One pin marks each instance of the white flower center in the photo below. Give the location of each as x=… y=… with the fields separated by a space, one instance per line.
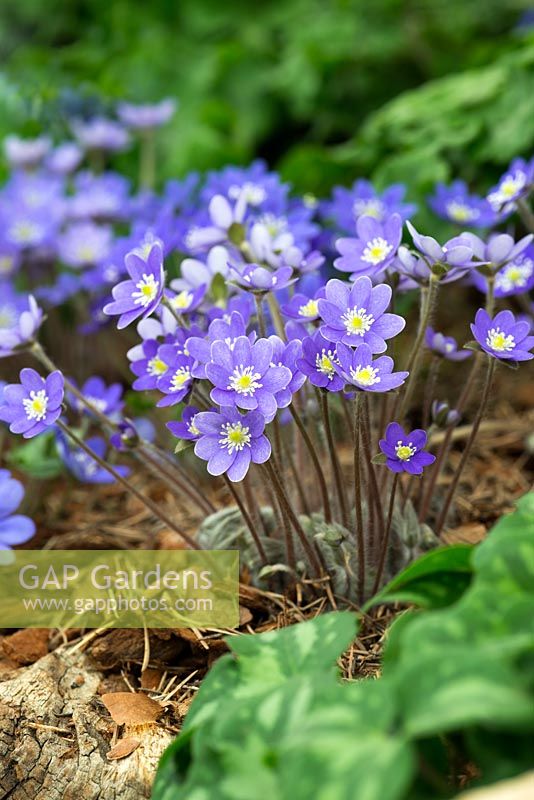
x=514 y=276
x=182 y=301
x=23 y=232
x=253 y=194
x=499 y=341
x=309 y=309
x=274 y=225
x=97 y=402
x=368 y=208
x=376 y=250
x=234 y=436
x=180 y=378
x=8 y=316
x=36 y=404
x=147 y=290
x=244 y=380
x=156 y=367
x=365 y=376
x=508 y=189
x=6 y=262
x=405 y=451
x=192 y=428
x=324 y=362
x=357 y=321
x=460 y=212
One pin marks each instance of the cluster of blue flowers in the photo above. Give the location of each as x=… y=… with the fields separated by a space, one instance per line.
x=249 y=302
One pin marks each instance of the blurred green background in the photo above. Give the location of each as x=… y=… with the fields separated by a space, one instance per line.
x=325 y=90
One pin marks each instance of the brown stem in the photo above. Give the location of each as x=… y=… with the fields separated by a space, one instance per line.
x=315 y=461
x=246 y=516
x=336 y=468
x=465 y=455
x=150 y=504
x=358 y=496
x=385 y=542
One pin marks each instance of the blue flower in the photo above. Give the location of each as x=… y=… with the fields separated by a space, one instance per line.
x=14 y=528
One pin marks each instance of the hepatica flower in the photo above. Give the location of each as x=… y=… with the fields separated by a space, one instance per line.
x=259 y=279
x=26 y=153
x=106 y=399
x=513 y=185
x=303 y=308
x=82 y=465
x=146 y=117
x=358 y=368
x=101 y=134
x=14 y=528
x=503 y=336
x=21 y=327
x=244 y=376
x=186 y=428
x=356 y=315
x=362 y=200
x=84 y=244
x=177 y=381
x=141 y=295
x=444 y=346
x=195 y=273
x=404 y=452
x=230 y=441
x=373 y=250
x=286 y=355
x=34 y=404
x=455 y=204
x=318 y=363
x=226 y=330
x=457 y=253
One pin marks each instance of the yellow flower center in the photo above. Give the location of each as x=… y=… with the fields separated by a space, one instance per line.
x=309 y=309
x=234 y=436
x=405 y=451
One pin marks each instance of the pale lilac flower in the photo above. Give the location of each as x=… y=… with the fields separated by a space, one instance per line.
x=146 y=117
x=503 y=337
x=34 y=404
x=358 y=368
x=230 y=441
x=404 y=452
x=141 y=295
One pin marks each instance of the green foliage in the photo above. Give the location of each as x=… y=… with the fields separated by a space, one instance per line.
x=289 y=81
x=274 y=720
x=37 y=457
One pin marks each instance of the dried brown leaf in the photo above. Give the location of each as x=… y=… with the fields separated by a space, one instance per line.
x=129 y=708
x=123 y=748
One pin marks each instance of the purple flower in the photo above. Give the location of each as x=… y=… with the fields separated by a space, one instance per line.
x=106 y=399
x=186 y=428
x=354 y=315
x=513 y=185
x=26 y=153
x=455 y=204
x=259 y=279
x=83 y=244
x=348 y=205
x=444 y=346
x=358 y=368
x=146 y=117
x=373 y=250
x=65 y=158
x=130 y=433
x=177 y=381
x=185 y=301
x=229 y=441
x=414 y=270
x=82 y=465
x=21 y=328
x=224 y=217
x=225 y=330
x=140 y=296
x=404 y=452
x=303 y=308
x=318 y=363
x=195 y=273
x=443 y=416
x=499 y=250
x=513 y=278
x=34 y=404
x=457 y=252
x=14 y=528
x=286 y=355
x=101 y=134
x=503 y=337
x=243 y=375
x=261 y=189
x=100 y=197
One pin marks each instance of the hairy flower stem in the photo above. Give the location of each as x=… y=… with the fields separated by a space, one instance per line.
x=416 y=354
x=150 y=504
x=336 y=468
x=358 y=513
x=276 y=316
x=430 y=388
x=184 y=485
x=525 y=212
x=443 y=452
x=387 y=536
x=315 y=461
x=374 y=489
x=288 y=510
x=247 y=518
x=262 y=327
x=296 y=478
x=490 y=295
x=172 y=481
x=465 y=455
